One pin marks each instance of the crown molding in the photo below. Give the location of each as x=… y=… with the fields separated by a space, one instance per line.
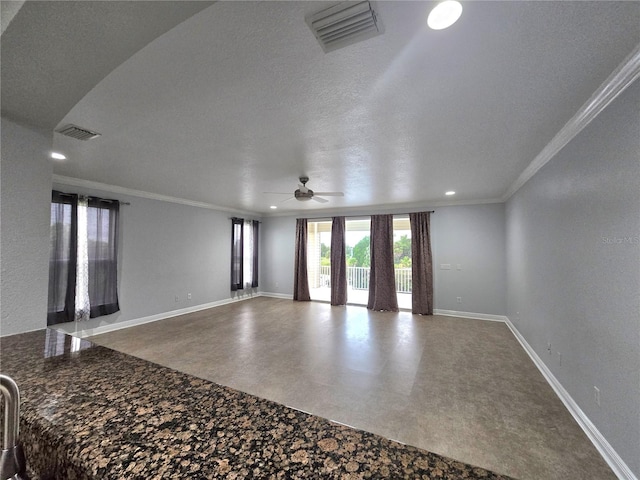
x=380 y=209
x=623 y=76
x=105 y=187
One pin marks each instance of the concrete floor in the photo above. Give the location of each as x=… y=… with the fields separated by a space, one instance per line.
x=461 y=388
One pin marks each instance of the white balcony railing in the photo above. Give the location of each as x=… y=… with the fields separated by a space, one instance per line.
x=358 y=278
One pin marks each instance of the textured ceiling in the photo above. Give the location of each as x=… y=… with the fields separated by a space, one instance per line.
x=54 y=52
x=240 y=99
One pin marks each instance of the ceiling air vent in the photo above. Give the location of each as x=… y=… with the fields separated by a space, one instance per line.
x=344 y=24
x=74 y=131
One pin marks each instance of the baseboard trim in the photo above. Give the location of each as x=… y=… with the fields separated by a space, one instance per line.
x=472 y=315
x=612 y=458
x=88 y=332
x=285 y=296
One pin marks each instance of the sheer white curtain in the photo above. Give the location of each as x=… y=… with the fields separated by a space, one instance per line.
x=247 y=254
x=83 y=307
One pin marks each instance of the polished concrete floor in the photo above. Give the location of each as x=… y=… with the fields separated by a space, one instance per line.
x=462 y=388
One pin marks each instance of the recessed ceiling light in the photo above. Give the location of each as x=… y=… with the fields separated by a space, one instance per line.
x=58 y=156
x=450 y=192
x=444 y=14
x=273 y=207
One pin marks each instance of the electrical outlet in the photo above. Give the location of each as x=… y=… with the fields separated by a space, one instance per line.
x=596 y=395
x=458 y=299
x=549 y=347
x=189 y=296
x=177 y=298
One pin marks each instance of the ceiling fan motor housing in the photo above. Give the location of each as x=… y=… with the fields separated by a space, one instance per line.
x=303 y=196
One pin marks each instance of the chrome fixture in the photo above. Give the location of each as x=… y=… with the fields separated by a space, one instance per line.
x=13 y=464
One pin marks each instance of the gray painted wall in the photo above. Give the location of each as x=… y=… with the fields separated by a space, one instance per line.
x=277 y=254
x=573 y=249
x=470 y=235
x=26 y=212
x=167 y=250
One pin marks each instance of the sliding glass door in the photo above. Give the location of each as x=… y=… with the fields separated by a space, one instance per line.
x=358 y=255
x=402 y=260
x=319 y=259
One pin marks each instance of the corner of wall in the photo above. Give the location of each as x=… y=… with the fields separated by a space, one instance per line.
x=25 y=199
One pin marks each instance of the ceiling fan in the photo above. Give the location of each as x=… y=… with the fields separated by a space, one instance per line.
x=303 y=193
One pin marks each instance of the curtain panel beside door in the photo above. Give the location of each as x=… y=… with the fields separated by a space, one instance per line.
x=338 y=262
x=421 y=264
x=382 y=280
x=300 y=277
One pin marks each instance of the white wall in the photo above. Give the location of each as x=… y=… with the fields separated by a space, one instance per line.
x=469 y=235
x=25 y=216
x=573 y=249
x=166 y=250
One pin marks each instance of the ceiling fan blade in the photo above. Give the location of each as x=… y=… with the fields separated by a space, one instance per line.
x=278 y=193
x=318 y=199
x=330 y=194
x=287 y=199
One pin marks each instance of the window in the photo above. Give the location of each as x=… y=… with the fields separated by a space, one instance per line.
x=244 y=253
x=83 y=258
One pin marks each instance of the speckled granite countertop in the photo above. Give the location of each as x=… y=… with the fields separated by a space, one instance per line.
x=89 y=412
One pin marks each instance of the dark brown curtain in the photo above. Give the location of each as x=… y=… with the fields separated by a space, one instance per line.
x=421 y=265
x=102 y=228
x=62 y=258
x=300 y=279
x=382 y=281
x=338 y=262
x=236 y=253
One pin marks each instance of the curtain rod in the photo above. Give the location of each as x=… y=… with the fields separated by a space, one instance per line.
x=95 y=198
x=240 y=218
x=364 y=215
